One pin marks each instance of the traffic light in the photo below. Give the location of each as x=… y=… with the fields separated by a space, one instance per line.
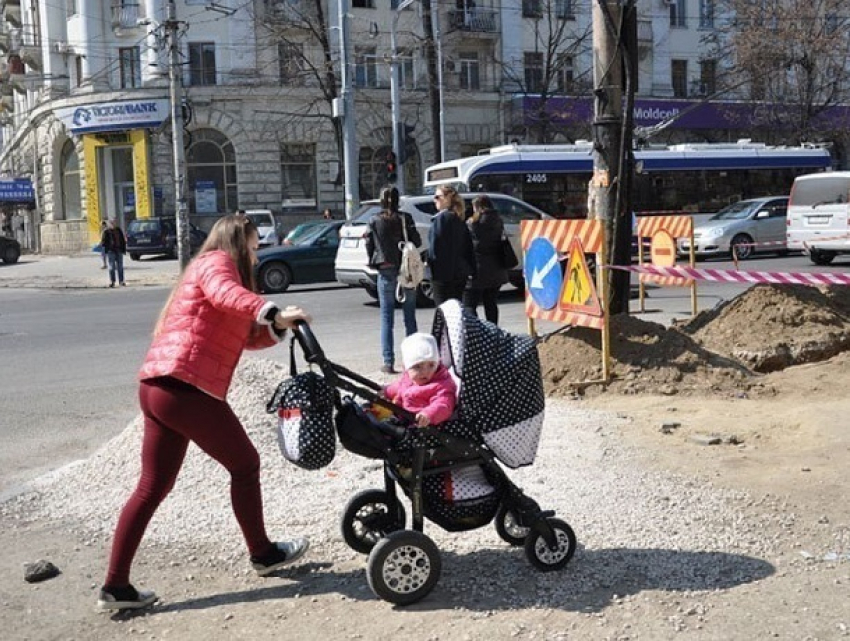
x=392 y=168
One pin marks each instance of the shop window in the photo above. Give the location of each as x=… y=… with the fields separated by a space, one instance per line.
x=211 y=172
x=72 y=205
x=298 y=174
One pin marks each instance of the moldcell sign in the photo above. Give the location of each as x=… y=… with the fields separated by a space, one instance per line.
x=115 y=116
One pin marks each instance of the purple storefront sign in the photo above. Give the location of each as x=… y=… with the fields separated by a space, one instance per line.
x=687 y=114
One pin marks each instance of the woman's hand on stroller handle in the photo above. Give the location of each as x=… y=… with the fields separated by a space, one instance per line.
x=288 y=317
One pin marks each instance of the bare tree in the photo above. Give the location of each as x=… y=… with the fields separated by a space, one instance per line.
x=551 y=68
x=793 y=60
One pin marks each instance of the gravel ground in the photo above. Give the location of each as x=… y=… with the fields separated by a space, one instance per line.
x=659 y=554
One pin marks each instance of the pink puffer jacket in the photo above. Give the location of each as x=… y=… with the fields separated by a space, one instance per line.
x=436 y=399
x=211 y=320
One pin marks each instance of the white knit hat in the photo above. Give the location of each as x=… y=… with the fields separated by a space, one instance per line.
x=418 y=348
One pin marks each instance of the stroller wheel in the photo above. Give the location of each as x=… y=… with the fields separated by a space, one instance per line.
x=404 y=567
x=544 y=558
x=508 y=527
x=369 y=517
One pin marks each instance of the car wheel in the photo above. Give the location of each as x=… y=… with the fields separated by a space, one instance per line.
x=275 y=278
x=821 y=257
x=135 y=256
x=11 y=254
x=741 y=246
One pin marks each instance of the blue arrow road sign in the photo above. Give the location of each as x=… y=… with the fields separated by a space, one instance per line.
x=543 y=273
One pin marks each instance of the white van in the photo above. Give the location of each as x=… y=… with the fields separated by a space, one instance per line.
x=818 y=220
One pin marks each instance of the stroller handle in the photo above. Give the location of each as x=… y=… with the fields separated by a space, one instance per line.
x=309 y=345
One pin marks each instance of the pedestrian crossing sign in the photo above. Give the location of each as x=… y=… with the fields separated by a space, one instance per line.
x=578 y=293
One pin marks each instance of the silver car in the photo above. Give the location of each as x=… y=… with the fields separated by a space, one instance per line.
x=748 y=226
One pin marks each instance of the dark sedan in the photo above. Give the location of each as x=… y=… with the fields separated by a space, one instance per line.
x=309 y=260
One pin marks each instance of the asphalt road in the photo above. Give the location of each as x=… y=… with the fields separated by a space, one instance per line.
x=69 y=358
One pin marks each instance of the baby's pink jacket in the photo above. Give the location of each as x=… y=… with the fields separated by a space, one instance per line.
x=436 y=399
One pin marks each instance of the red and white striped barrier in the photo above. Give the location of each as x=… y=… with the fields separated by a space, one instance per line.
x=734 y=276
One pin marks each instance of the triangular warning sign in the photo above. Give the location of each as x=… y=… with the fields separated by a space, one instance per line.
x=578 y=293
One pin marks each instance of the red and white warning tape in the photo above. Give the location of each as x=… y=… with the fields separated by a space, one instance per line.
x=734 y=276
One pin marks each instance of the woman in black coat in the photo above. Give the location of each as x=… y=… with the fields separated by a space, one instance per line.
x=450 y=254
x=487 y=230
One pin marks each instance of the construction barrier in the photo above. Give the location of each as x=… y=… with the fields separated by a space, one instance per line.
x=663 y=232
x=736 y=276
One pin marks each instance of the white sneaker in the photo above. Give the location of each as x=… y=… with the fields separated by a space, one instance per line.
x=282 y=555
x=128 y=598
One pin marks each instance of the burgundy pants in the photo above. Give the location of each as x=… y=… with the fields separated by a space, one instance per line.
x=176 y=413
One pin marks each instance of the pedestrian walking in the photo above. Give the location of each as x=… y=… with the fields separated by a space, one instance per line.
x=450 y=253
x=487 y=230
x=114 y=246
x=382 y=246
x=212 y=315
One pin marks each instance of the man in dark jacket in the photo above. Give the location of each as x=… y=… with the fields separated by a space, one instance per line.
x=114 y=246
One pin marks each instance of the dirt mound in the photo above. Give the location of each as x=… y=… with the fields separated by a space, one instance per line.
x=771 y=327
x=721 y=351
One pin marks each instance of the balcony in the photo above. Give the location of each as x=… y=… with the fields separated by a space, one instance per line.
x=125 y=15
x=12 y=12
x=473 y=20
x=284 y=12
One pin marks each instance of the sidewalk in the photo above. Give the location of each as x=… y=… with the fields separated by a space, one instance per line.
x=83 y=271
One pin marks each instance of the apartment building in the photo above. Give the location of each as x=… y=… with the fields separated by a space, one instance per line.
x=85 y=100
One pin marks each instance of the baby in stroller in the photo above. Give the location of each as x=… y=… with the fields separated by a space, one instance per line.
x=451 y=472
x=426 y=388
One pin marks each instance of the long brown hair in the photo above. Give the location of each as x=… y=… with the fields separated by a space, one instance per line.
x=230 y=234
x=455 y=201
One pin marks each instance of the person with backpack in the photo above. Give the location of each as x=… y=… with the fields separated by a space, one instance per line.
x=387 y=231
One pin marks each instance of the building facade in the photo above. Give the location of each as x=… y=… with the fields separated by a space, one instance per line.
x=85 y=100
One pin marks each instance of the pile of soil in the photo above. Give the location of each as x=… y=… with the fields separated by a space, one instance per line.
x=722 y=351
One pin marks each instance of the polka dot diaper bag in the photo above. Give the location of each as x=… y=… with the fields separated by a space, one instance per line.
x=304 y=405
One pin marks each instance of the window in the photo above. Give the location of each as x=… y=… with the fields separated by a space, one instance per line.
x=130 y=62
x=533 y=65
x=72 y=205
x=363 y=4
x=565 y=74
x=298 y=174
x=706 y=14
x=70 y=8
x=291 y=58
x=365 y=67
x=531 y=9
x=564 y=9
x=470 y=78
x=202 y=63
x=406 y=70
x=78 y=70
x=708 y=77
x=211 y=162
x=677 y=14
x=679 y=78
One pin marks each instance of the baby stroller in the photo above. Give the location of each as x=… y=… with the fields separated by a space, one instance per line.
x=450 y=473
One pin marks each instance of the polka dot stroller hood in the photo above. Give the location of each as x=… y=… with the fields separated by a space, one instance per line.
x=501 y=399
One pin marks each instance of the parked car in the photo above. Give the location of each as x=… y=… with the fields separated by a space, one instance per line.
x=299 y=231
x=352 y=262
x=157 y=236
x=738 y=226
x=10 y=250
x=819 y=216
x=309 y=260
x=266 y=226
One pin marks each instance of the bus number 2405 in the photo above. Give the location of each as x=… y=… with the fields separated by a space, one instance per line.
x=536 y=179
